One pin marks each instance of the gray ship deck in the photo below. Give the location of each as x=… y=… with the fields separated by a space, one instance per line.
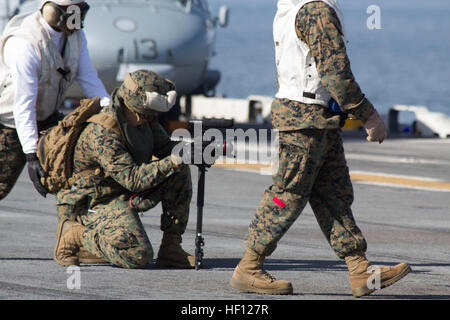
x=403 y=220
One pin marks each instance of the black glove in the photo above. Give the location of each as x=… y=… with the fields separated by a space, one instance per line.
x=35 y=172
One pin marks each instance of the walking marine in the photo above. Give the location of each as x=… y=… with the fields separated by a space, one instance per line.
x=313 y=70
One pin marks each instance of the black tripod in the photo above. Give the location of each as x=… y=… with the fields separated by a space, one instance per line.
x=205 y=124
x=199 y=240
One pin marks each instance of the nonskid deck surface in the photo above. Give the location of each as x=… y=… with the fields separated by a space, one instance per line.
x=402 y=201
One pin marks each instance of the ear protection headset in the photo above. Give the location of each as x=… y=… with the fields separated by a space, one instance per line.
x=152 y=100
x=55 y=15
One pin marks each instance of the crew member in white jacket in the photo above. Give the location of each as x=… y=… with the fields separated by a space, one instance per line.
x=42 y=54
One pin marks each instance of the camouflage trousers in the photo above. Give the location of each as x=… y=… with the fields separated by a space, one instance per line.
x=12 y=160
x=312 y=167
x=114 y=229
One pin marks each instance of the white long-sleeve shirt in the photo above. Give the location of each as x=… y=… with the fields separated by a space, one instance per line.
x=23 y=62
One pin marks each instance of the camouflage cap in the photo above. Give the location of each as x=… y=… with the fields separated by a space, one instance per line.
x=145 y=92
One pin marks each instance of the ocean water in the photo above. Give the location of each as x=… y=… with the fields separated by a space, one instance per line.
x=407 y=61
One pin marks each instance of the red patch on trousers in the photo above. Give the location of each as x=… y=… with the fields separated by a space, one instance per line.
x=278 y=202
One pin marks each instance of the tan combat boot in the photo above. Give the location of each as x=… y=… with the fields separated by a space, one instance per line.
x=365 y=279
x=85 y=256
x=68 y=242
x=250 y=276
x=171 y=254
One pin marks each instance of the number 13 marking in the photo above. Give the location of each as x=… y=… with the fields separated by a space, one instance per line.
x=148 y=47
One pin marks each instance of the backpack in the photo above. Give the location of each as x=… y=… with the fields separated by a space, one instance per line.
x=56 y=146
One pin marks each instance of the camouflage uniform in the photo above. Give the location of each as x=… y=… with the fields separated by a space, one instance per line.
x=12 y=158
x=312 y=163
x=119 y=173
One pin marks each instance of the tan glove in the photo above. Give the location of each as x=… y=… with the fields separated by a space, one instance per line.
x=375 y=128
x=176 y=160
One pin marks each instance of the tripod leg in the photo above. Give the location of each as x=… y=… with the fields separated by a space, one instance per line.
x=199 y=240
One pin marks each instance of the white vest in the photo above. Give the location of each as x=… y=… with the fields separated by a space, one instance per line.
x=52 y=86
x=297 y=74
